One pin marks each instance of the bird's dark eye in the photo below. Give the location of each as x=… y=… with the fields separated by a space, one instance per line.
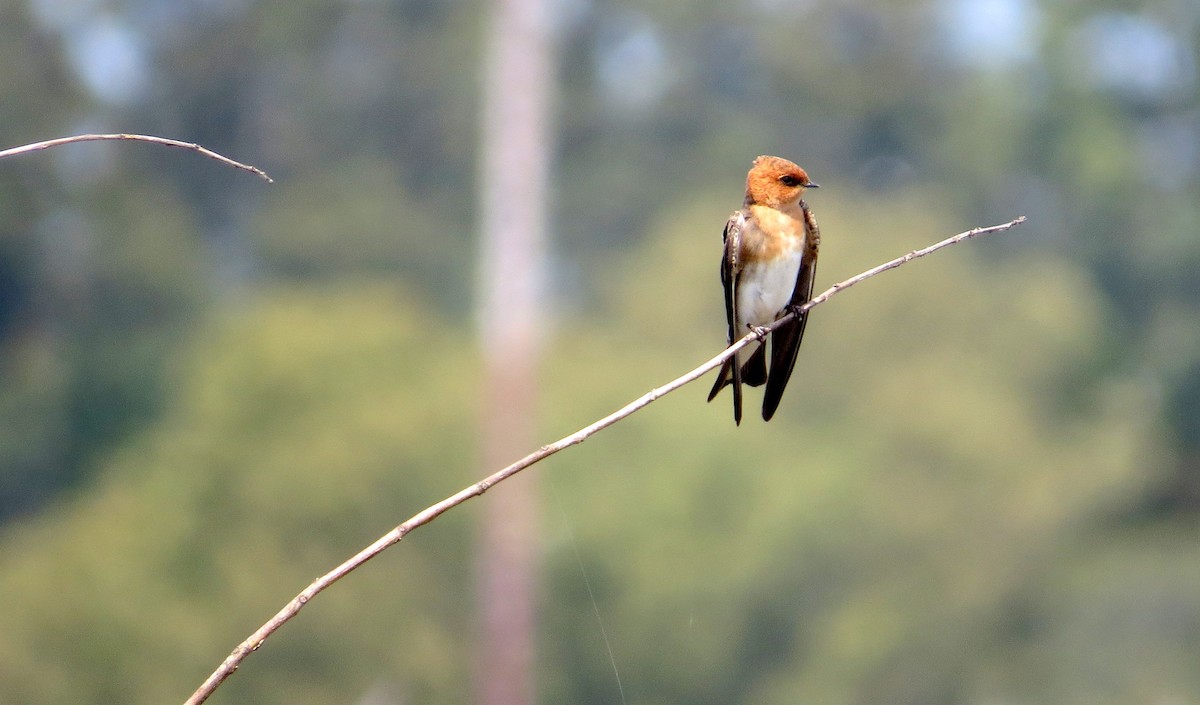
x=789 y=180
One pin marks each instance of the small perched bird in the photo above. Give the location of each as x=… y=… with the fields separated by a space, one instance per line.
x=767 y=269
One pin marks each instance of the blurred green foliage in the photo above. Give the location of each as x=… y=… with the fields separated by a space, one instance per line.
x=981 y=486
x=295 y=432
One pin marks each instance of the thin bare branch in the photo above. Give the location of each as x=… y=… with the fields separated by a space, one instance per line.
x=37 y=146
x=290 y=610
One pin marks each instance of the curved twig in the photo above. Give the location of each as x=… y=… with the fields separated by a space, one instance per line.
x=432 y=512
x=37 y=146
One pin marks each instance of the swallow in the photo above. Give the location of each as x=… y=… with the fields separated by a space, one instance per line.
x=767 y=270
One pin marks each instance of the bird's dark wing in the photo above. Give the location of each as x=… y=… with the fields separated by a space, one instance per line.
x=785 y=340
x=731 y=270
x=754 y=370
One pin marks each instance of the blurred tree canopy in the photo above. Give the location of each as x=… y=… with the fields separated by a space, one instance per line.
x=983 y=482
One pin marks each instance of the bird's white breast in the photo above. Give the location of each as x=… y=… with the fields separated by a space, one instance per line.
x=766 y=287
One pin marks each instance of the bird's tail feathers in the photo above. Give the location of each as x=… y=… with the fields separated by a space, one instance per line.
x=724 y=378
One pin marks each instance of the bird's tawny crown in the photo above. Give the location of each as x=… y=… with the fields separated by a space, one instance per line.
x=776 y=182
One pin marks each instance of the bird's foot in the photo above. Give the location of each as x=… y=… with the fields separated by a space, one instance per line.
x=759 y=332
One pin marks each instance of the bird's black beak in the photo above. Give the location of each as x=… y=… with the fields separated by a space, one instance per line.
x=812 y=184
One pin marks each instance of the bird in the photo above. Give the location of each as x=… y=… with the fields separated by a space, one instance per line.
x=767 y=269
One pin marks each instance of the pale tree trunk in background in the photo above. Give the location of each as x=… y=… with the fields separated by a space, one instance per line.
x=516 y=144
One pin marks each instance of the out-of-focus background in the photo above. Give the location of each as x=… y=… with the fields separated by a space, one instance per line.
x=983 y=485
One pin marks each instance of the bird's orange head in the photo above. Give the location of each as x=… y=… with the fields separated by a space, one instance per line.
x=776 y=182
